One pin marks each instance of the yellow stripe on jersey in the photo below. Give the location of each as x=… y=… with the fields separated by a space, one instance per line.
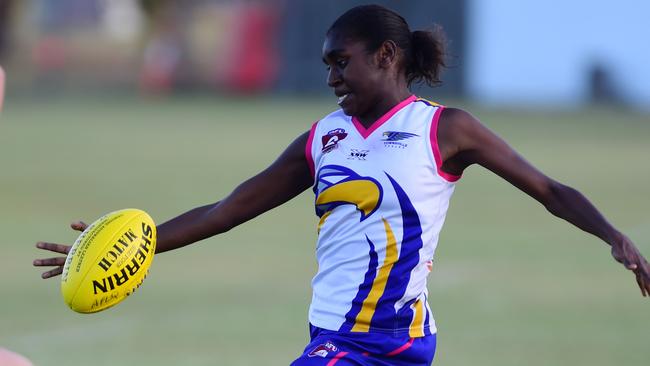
x=363 y=193
x=432 y=103
x=322 y=221
x=417 y=327
x=362 y=322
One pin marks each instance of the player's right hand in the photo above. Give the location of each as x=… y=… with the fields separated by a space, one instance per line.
x=626 y=253
x=58 y=262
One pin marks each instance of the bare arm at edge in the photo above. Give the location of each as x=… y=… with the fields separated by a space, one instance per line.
x=283 y=180
x=464 y=141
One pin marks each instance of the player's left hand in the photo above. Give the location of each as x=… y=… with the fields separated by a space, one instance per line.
x=626 y=253
x=56 y=262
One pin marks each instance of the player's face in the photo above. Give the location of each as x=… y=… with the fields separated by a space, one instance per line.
x=353 y=74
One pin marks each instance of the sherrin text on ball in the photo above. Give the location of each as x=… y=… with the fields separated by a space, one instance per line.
x=108 y=261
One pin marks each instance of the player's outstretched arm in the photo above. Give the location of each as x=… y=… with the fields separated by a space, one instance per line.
x=287 y=177
x=465 y=141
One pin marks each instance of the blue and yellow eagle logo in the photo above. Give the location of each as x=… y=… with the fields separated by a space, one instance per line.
x=337 y=185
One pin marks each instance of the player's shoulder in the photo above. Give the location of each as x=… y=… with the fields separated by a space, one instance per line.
x=423 y=106
x=457 y=118
x=459 y=127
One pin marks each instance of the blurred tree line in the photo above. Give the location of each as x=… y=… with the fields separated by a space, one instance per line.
x=164 y=46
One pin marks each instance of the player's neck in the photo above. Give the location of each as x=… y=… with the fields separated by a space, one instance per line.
x=382 y=106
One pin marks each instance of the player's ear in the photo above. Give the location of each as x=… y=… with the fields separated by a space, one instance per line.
x=387 y=54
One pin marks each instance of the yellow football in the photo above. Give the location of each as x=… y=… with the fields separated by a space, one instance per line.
x=108 y=261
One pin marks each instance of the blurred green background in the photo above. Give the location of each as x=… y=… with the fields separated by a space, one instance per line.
x=165 y=105
x=511 y=284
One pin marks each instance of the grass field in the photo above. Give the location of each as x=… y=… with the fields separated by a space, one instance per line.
x=511 y=285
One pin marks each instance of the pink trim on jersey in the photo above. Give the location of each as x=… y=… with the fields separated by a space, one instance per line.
x=436 y=149
x=336 y=358
x=403 y=348
x=308 y=156
x=375 y=125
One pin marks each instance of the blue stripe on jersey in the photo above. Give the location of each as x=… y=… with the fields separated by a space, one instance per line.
x=405 y=315
x=364 y=290
x=401 y=273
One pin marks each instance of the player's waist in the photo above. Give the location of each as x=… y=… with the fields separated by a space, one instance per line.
x=363 y=316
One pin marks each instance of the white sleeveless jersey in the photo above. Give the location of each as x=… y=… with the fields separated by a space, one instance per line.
x=382 y=199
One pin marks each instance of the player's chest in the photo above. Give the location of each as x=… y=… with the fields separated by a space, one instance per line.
x=382 y=148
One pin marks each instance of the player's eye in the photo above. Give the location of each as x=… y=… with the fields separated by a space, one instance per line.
x=340 y=63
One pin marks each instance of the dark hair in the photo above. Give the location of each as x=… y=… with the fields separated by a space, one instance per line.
x=424 y=51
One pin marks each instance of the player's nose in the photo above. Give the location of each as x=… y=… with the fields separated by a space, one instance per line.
x=334 y=78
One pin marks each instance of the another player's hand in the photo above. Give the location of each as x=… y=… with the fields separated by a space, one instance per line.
x=58 y=262
x=625 y=252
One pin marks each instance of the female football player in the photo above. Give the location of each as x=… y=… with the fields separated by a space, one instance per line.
x=382 y=168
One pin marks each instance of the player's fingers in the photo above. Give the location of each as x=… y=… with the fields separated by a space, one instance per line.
x=645 y=268
x=58 y=261
x=59 y=248
x=55 y=272
x=642 y=285
x=79 y=225
x=642 y=278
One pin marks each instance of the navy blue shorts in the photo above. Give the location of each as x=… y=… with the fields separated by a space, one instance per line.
x=329 y=348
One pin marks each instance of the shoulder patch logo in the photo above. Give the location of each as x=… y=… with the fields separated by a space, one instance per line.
x=393 y=138
x=322 y=350
x=331 y=139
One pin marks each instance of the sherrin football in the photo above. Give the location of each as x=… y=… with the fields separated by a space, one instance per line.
x=108 y=261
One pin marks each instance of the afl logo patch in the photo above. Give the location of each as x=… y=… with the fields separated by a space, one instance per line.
x=331 y=139
x=322 y=350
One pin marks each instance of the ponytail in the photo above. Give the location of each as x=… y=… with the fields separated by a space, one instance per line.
x=427 y=57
